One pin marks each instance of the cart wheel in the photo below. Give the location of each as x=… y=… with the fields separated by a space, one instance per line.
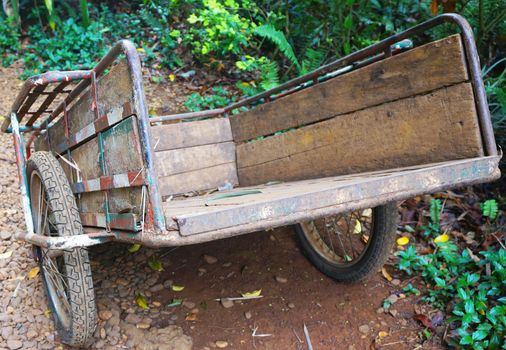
x=66 y=275
x=349 y=246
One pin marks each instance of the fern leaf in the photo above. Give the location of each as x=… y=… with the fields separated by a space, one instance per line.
x=267 y=31
x=490 y=209
x=312 y=60
x=269 y=75
x=435 y=211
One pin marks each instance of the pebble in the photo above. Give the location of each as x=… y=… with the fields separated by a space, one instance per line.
x=156 y=288
x=221 y=344
x=227 y=264
x=105 y=315
x=188 y=304
x=103 y=334
x=281 y=279
x=142 y=325
x=121 y=281
x=364 y=329
x=248 y=315
x=226 y=303
x=14 y=344
x=380 y=310
x=5 y=235
x=291 y=305
x=395 y=282
x=210 y=259
x=168 y=284
x=392 y=298
x=394 y=313
x=133 y=319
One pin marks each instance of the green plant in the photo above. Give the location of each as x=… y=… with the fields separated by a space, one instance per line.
x=472 y=284
x=9 y=41
x=218 y=29
x=217 y=97
x=495 y=87
x=74 y=47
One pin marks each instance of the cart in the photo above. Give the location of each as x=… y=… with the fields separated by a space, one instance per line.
x=328 y=152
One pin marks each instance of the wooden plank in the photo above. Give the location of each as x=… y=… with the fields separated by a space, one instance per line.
x=438 y=126
x=322 y=197
x=197 y=180
x=182 y=160
x=422 y=69
x=189 y=134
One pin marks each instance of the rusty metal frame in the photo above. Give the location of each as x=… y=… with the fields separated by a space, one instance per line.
x=35 y=86
x=356 y=59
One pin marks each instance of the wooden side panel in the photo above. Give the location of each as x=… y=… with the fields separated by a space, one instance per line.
x=189 y=134
x=121 y=147
x=420 y=70
x=438 y=126
x=198 y=180
x=193 y=158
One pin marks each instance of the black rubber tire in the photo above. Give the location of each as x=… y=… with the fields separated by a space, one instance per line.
x=76 y=264
x=375 y=255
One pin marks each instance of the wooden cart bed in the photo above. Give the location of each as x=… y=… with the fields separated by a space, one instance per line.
x=402 y=126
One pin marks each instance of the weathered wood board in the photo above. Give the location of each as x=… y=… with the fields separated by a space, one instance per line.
x=438 y=126
x=288 y=203
x=420 y=70
x=194 y=156
x=198 y=180
x=182 y=160
x=189 y=134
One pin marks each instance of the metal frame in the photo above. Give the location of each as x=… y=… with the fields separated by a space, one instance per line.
x=156 y=233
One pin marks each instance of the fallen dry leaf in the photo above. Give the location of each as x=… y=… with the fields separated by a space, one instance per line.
x=33 y=272
x=176 y=288
x=442 y=238
x=141 y=302
x=134 y=248
x=255 y=293
x=6 y=255
x=385 y=274
x=402 y=240
x=191 y=317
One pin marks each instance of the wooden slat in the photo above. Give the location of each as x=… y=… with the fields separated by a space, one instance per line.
x=182 y=160
x=189 y=134
x=288 y=203
x=422 y=69
x=438 y=126
x=202 y=179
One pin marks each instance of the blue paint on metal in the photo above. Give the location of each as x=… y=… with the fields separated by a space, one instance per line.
x=19 y=144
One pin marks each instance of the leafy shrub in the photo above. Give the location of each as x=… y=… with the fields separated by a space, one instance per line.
x=472 y=285
x=219 y=28
x=9 y=41
x=74 y=47
x=216 y=98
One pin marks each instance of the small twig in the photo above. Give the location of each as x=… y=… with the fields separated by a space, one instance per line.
x=308 y=340
x=254 y=334
x=297 y=336
x=499 y=241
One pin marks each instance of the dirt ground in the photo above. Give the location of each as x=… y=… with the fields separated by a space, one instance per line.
x=337 y=316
